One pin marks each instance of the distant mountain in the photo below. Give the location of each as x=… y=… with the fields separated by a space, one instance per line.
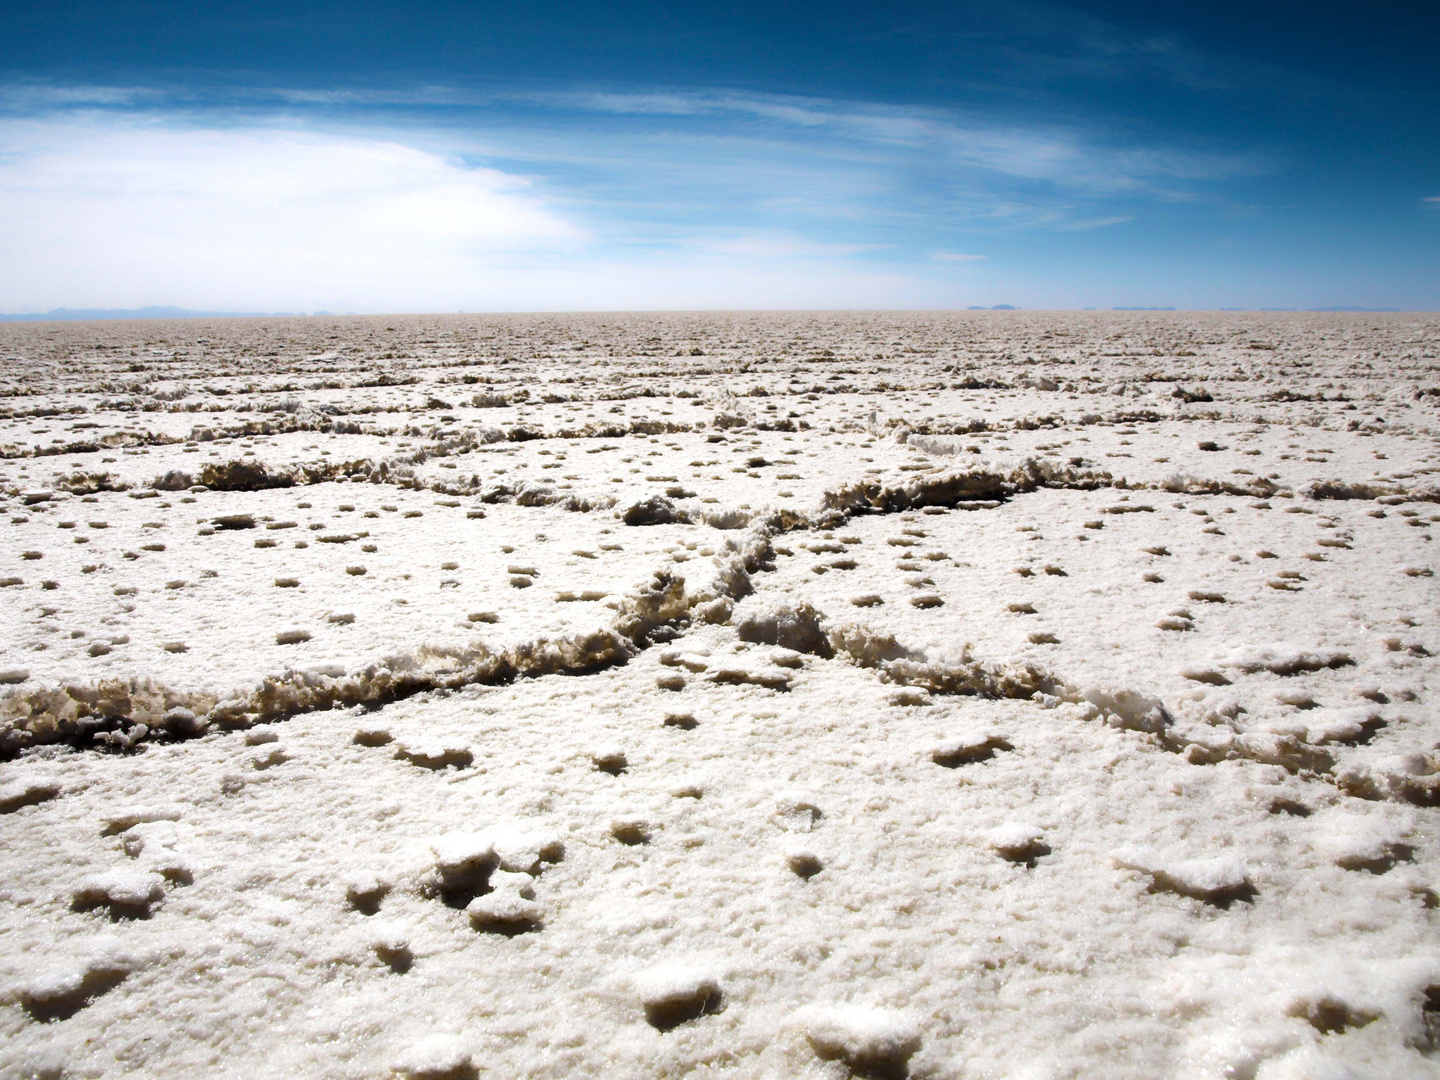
x=71 y=314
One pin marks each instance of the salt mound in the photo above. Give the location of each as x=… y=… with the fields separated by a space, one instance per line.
x=1286 y=660
x=797 y=628
x=57 y=989
x=129 y=893
x=674 y=993
x=26 y=792
x=526 y=850
x=509 y=908
x=436 y=1057
x=1219 y=881
x=877 y=1042
x=1018 y=842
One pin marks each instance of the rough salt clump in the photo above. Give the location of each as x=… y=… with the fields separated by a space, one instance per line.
x=509 y=907
x=1219 y=880
x=365 y=889
x=797 y=811
x=462 y=867
x=437 y=1057
x=128 y=893
x=526 y=850
x=871 y=1041
x=391 y=944
x=803 y=861
x=26 y=792
x=672 y=994
x=1018 y=842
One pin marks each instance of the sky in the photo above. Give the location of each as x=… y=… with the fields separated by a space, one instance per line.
x=447 y=156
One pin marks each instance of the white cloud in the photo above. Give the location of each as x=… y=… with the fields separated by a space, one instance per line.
x=1085 y=224
x=266 y=200
x=126 y=213
x=1071 y=158
x=765 y=246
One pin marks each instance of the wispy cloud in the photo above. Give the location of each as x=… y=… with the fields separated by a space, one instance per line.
x=1085 y=224
x=1074 y=156
x=786 y=247
x=429 y=197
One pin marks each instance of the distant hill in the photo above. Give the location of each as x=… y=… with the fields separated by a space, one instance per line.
x=70 y=314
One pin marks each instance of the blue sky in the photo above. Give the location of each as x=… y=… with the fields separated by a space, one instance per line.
x=475 y=156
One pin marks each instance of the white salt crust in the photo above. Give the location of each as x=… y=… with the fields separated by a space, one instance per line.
x=962 y=695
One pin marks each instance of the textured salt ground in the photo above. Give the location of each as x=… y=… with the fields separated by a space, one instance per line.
x=913 y=909
x=774 y=863
x=116 y=606
x=1094 y=573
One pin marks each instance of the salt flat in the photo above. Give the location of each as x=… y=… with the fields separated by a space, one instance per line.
x=933 y=694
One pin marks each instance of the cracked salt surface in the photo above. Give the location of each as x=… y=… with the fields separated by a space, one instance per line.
x=976 y=695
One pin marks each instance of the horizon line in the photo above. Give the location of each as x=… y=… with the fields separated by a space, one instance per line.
x=166 y=313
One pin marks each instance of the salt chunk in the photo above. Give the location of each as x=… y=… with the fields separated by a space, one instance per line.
x=128 y=817
x=391 y=945
x=147 y=836
x=504 y=911
x=1018 y=841
x=631 y=830
x=1363 y=848
x=671 y=994
x=389 y=936
x=525 y=851
x=436 y=1057
x=26 y=792
x=463 y=862
x=609 y=759
x=803 y=861
x=1286 y=660
x=436 y=753
x=52 y=983
x=364 y=889
x=61 y=989
x=168 y=863
x=1342 y=725
x=868 y=1040
x=509 y=881
x=462 y=852
x=798 y=811
x=125 y=891
x=969 y=750
x=181 y=721
x=1129 y=709
x=1218 y=880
